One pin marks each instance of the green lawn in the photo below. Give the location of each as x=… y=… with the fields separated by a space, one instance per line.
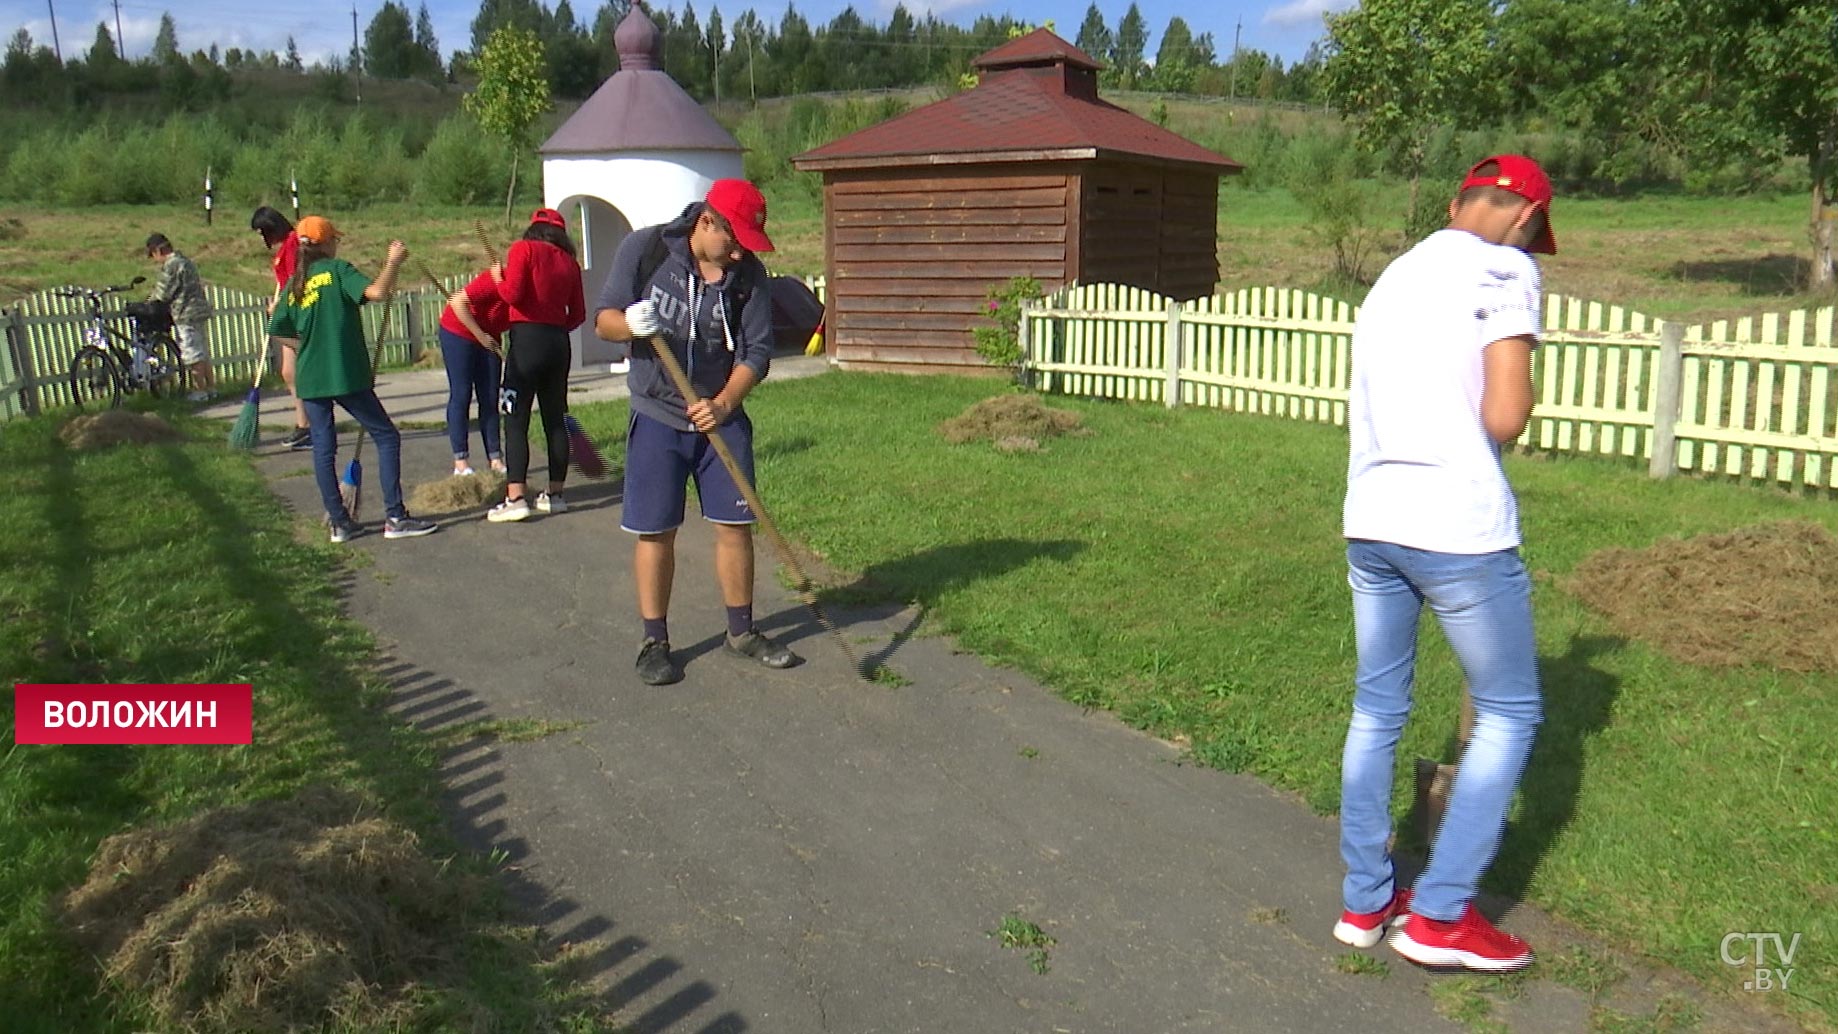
x=1184 y=569
x=173 y=563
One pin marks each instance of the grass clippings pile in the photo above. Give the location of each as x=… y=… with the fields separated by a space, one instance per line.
x=457 y=494
x=1758 y=595
x=115 y=426
x=271 y=916
x=1014 y=422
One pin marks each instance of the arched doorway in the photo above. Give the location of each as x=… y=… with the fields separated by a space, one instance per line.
x=600 y=228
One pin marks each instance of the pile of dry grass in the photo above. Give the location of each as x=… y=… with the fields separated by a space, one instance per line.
x=430 y=359
x=1758 y=595
x=115 y=426
x=272 y=916
x=456 y=494
x=1014 y=422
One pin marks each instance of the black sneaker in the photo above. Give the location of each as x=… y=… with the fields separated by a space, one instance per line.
x=655 y=668
x=302 y=438
x=760 y=647
x=406 y=527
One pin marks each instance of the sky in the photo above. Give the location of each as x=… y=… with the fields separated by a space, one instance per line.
x=1282 y=27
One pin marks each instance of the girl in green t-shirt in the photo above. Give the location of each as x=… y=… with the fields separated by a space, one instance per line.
x=319 y=307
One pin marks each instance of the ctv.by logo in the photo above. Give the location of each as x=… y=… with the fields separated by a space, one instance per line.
x=1762 y=947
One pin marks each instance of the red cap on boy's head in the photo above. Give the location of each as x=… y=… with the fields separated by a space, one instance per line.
x=744 y=207
x=1522 y=176
x=550 y=216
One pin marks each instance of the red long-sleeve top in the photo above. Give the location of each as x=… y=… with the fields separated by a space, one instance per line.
x=542 y=284
x=488 y=309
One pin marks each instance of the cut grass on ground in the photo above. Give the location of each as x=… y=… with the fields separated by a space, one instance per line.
x=173 y=563
x=1184 y=568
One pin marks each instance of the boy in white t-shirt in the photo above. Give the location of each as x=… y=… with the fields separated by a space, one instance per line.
x=1441 y=379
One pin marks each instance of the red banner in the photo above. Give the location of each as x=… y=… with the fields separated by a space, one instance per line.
x=118 y=713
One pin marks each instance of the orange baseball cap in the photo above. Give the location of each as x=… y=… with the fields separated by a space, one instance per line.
x=317 y=229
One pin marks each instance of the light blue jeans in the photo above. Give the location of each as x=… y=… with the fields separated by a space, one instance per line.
x=1484 y=604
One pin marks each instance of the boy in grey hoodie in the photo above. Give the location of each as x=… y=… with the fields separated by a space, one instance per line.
x=696 y=283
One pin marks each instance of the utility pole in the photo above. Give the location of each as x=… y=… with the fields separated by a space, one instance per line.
x=56 y=47
x=752 y=93
x=121 y=48
x=1233 y=95
x=357 y=58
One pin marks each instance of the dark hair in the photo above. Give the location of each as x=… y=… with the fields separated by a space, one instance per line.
x=157 y=243
x=1498 y=197
x=551 y=234
x=308 y=254
x=273 y=225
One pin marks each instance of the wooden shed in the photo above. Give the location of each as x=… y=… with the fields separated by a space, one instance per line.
x=1028 y=174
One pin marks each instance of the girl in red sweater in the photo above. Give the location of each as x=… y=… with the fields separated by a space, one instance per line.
x=541 y=284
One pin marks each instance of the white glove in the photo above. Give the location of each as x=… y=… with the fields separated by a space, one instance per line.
x=641 y=319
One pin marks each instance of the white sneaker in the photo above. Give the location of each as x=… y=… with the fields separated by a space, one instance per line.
x=510 y=510
x=465 y=472
x=547 y=503
x=198 y=396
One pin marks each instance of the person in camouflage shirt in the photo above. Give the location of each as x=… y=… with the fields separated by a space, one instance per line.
x=180 y=287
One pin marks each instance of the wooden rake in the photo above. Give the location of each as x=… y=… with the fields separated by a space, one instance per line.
x=804 y=587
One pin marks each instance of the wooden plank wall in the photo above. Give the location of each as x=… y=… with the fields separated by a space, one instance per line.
x=1150 y=227
x=912 y=253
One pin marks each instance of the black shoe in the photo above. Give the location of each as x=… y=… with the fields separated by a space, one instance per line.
x=655 y=668
x=757 y=646
x=302 y=438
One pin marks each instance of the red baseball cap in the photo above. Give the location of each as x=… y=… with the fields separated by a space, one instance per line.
x=1523 y=177
x=550 y=216
x=744 y=207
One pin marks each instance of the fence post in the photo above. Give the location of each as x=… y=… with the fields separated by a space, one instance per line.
x=1669 y=376
x=1171 y=351
x=413 y=324
x=1025 y=343
x=21 y=355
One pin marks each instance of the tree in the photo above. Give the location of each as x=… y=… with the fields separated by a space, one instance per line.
x=512 y=95
x=1094 y=36
x=102 y=55
x=497 y=14
x=1126 y=53
x=166 y=41
x=389 y=44
x=1759 y=78
x=1174 y=60
x=292 y=61
x=427 y=47
x=1403 y=68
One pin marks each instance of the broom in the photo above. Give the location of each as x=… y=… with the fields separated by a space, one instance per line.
x=804 y=587
x=247 y=430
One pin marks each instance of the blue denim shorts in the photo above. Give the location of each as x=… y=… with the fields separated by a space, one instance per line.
x=659 y=462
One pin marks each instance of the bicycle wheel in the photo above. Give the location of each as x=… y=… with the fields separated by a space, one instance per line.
x=166 y=373
x=94 y=381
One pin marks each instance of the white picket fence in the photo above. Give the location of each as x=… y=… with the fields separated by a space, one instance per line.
x=1755 y=399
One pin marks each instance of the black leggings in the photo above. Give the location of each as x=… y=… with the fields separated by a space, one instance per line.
x=537 y=370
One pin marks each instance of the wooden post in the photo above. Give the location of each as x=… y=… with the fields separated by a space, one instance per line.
x=1171 y=352
x=22 y=361
x=1025 y=375
x=412 y=324
x=1668 y=382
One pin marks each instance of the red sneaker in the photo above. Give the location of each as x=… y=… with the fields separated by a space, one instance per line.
x=1363 y=929
x=1470 y=942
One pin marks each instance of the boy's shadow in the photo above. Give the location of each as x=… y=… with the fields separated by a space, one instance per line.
x=1579 y=701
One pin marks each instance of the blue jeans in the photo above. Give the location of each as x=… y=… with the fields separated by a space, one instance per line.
x=368 y=412
x=472 y=375
x=1484 y=605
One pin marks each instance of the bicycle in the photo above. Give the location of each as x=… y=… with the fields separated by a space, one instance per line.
x=111 y=363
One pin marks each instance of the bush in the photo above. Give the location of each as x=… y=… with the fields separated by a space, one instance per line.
x=461 y=165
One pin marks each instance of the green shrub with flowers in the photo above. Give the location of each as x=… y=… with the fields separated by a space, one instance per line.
x=998 y=345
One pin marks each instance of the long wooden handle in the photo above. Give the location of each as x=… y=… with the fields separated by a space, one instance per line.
x=804 y=588
x=484 y=340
